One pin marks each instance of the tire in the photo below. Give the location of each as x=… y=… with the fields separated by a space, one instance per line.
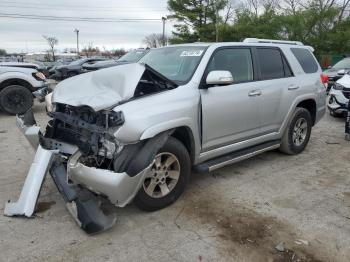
x=16 y=99
x=293 y=143
x=334 y=114
x=152 y=200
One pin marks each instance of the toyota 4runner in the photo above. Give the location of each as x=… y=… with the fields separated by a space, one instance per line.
x=134 y=132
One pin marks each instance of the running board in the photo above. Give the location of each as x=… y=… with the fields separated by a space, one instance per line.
x=236 y=156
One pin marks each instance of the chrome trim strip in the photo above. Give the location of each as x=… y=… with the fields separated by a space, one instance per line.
x=240 y=158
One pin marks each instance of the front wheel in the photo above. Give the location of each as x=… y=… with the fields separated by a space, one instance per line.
x=167 y=178
x=297 y=134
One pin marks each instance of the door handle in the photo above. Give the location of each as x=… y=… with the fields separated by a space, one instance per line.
x=293 y=87
x=254 y=93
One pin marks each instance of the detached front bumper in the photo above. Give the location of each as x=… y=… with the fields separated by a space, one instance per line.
x=120 y=188
x=86 y=188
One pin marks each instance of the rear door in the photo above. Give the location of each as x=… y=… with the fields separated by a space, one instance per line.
x=230 y=112
x=277 y=85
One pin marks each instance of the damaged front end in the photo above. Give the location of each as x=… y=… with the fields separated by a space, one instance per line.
x=86 y=161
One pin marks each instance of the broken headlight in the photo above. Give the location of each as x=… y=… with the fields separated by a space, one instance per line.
x=338 y=86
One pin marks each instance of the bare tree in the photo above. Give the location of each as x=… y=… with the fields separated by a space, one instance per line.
x=229 y=13
x=52 y=42
x=90 y=50
x=254 y=6
x=291 y=5
x=154 y=40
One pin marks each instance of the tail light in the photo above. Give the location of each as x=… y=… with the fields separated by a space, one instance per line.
x=324 y=79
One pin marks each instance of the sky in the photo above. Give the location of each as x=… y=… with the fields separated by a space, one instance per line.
x=26 y=35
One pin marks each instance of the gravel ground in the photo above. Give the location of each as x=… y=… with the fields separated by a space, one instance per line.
x=239 y=213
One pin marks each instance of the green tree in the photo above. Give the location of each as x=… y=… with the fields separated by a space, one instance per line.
x=197 y=19
x=3 y=52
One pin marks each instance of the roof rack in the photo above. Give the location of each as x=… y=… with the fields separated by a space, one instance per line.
x=271 y=41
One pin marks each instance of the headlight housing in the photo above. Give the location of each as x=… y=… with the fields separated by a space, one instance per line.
x=39 y=76
x=338 y=86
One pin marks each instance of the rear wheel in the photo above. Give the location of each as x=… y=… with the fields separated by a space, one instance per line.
x=16 y=99
x=297 y=134
x=167 y=177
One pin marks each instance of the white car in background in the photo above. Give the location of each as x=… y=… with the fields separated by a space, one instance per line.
x=339 y=96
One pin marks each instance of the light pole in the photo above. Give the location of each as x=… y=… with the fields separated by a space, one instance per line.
x=77 y=31
x=163 y=20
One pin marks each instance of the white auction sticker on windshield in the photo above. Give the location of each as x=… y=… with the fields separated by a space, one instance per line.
x=192 y=53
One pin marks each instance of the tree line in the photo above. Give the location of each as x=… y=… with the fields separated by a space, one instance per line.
x=323 y=24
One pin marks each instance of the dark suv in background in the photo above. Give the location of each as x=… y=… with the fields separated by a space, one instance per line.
x=337 y=71
x=74 y=68
x=130 y=57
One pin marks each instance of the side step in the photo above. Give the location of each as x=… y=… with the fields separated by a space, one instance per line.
x=236 y=156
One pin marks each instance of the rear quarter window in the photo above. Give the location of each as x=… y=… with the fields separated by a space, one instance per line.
x=305 y=59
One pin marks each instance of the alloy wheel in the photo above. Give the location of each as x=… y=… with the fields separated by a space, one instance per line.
x=163 y=176
x=300 y=131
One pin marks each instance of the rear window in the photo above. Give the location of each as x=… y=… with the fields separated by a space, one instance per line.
x=305 y=59
x=271 y=63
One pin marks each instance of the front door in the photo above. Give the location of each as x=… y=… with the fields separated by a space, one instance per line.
x=229 y=112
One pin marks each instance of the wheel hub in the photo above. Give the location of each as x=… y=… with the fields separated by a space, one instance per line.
x=163 y=176
x=299 y=131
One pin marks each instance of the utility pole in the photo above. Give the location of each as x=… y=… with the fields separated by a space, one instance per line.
x=77 y=31
x=216 y=22
x=163 y=20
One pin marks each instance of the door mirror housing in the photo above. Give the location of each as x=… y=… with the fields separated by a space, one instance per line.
x=341 y=72
x=219 y=77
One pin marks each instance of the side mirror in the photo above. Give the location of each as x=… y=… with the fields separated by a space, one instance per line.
x=219 y=77
x=341 y=72
x=329 y=67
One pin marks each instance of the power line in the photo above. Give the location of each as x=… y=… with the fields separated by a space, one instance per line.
x=131 y=9
x=52 y=5
x=84 y=19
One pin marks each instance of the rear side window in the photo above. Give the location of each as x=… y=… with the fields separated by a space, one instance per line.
x=271 y=63
x=305 y=59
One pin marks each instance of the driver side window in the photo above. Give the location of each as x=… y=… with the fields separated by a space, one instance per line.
x=236 y=60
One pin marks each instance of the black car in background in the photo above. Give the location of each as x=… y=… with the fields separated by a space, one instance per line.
x=74 y=68
x=130 y=57
x=337 y=71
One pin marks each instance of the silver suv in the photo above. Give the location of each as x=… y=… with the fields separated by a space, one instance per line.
x=134 y=132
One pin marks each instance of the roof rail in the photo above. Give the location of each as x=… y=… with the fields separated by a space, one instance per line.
x=271 y=41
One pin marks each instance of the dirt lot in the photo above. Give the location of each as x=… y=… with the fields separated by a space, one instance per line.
x=239 y=213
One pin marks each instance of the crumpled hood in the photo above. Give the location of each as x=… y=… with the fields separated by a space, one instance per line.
x=100 y=89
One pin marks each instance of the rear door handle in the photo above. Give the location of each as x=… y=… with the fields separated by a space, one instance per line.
x=254 y=93
x=293 y=87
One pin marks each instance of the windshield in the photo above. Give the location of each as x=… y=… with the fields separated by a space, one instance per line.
x=176 y=63
x=132 y=56
x=78 y=62
x=342 y=64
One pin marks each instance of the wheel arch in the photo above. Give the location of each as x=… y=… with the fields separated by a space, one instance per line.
x=185 y=136
x=16 y=81
x=310 y=105
x=181 y=130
